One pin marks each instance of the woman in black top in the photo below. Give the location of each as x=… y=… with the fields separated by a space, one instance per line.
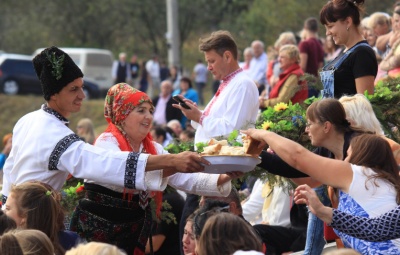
x=356 y=74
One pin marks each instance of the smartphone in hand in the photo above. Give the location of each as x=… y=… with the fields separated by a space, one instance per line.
x=181 y=102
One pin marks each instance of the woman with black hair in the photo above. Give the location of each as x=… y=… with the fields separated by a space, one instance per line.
x=355 y=69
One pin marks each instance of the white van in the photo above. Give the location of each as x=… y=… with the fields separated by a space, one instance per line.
x=96 y=65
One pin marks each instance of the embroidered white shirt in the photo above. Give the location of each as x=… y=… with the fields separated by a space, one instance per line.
x=39 y=134
x=236 y=108
x=196 y=183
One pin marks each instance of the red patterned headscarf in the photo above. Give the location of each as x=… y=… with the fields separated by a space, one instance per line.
x=120 y=101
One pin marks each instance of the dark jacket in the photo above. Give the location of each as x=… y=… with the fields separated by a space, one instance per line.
x=171 y=113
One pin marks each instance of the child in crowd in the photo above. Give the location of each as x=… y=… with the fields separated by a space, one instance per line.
x=26 y=242
x=34 y=205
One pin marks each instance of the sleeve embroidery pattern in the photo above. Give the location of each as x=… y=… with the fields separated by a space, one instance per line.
x=130 y=171
x=60 y=148
x=376 y=229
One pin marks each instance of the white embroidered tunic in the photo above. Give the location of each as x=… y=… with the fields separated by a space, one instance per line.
x=196 y=183
x=235 y=108
x=45 y=149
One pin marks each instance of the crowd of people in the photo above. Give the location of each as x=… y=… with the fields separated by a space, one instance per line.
x=350 y=181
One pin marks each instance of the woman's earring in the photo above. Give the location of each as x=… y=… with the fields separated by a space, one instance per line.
x=347 y=28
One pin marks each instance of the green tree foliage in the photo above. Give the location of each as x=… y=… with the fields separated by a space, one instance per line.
x=137 y=26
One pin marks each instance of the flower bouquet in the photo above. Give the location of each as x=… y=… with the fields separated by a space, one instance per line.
x=287 y=120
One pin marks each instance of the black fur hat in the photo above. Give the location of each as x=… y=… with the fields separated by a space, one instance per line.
x=55 y=69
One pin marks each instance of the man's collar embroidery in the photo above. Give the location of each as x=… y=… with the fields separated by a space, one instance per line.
x=54 y=113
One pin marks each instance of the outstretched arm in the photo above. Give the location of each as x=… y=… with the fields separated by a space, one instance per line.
x=377 y=229
x=275 y=165
x=336 y=173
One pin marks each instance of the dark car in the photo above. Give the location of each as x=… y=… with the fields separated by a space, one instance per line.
x=17 y=76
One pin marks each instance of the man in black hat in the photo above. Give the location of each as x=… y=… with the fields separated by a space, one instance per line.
x=45 y=149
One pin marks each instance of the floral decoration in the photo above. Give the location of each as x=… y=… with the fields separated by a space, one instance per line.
x=56 y=64
x=70 y=195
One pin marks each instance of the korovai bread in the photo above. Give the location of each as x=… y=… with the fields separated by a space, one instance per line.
x=232 y=150
x=212 y=149
x=214 y=141
x=250 y=146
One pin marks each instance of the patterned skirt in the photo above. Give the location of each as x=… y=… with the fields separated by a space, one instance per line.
x=104 y=216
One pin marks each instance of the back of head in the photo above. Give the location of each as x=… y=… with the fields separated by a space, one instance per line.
x=40 y=208
x=311 y=24
x=233 y=197
x=55 y=70
x=378 y=18
x=225 y=233
x=335 y=10
x=173 y=123
x=209 y=208
x=25 y=242
x=34 y=242
x=360 y=114
x=9 y=245
x=95 y=248
x=374 y=152
x=6 y=137
x=364 y=23
x=329 y=109
x=285 y=38
x=220 y=41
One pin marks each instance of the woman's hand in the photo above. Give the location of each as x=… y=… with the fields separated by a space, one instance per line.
x=306 y=195
x=257 y=134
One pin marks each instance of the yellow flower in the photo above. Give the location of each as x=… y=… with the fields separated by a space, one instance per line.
x=266 y=125
x=280 y=107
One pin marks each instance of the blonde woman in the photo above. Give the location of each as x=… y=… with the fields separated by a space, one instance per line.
x=85 y=130
x=287 y=88
x=360 y=114
x=95 y=248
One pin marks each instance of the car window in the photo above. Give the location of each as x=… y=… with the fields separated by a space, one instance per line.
x=26 y=67
x=94 y=59
x=7 y=65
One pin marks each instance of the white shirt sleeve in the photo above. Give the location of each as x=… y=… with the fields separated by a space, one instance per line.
x=152 y=180
x=197 y=183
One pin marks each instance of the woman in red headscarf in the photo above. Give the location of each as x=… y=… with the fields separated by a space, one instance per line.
x=123 y=217
x=288 y=87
